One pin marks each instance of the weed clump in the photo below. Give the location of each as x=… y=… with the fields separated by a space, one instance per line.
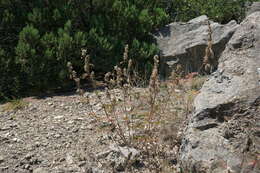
x=147 y=119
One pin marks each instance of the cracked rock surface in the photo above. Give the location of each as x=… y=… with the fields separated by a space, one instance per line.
x=223 y=132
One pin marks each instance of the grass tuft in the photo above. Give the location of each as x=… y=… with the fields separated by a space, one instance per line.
x=15 y=105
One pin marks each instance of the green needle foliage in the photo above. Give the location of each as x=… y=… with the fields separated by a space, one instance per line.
x=219 y=10
x=39 y=37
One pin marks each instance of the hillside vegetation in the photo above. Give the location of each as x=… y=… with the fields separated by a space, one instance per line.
x=39 y=37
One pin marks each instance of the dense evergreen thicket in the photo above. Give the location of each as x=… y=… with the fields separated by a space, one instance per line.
x=221 y=11
x=39 y=37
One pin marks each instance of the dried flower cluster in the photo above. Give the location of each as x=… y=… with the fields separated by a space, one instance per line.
x=154 y=82
x=88 y=75
x=209 y=60
x=122 y=73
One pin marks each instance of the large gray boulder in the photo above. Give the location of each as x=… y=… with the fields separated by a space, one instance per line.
x=223 y=134
x=186 y=43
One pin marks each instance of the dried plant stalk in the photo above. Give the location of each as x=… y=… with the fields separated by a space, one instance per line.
x=209 y=60
x=88 y=75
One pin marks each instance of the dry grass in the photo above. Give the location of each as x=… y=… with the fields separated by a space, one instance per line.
x=15 y=105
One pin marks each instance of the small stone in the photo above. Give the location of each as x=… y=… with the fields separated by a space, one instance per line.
x=70 y=122
x=81 y=164
x=69 y=159
x=16 y=140
x=40 y=170
x=1 y=159
x=177 y=90
x=57 y=135
x=37 y=144
x=79 y=119
x=75 y=130
x=62 y=159
x=3 y=168
x=5 y=128
x=7 y=135
x=103 y=155
x=58 y=117
x=44 y=144
x=28 y=156
x=125 y=151
x=26 y=166
x=89 y=127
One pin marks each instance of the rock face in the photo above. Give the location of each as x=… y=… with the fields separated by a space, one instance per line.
x=255 y=6
x=186 y=43
x=223 y=133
